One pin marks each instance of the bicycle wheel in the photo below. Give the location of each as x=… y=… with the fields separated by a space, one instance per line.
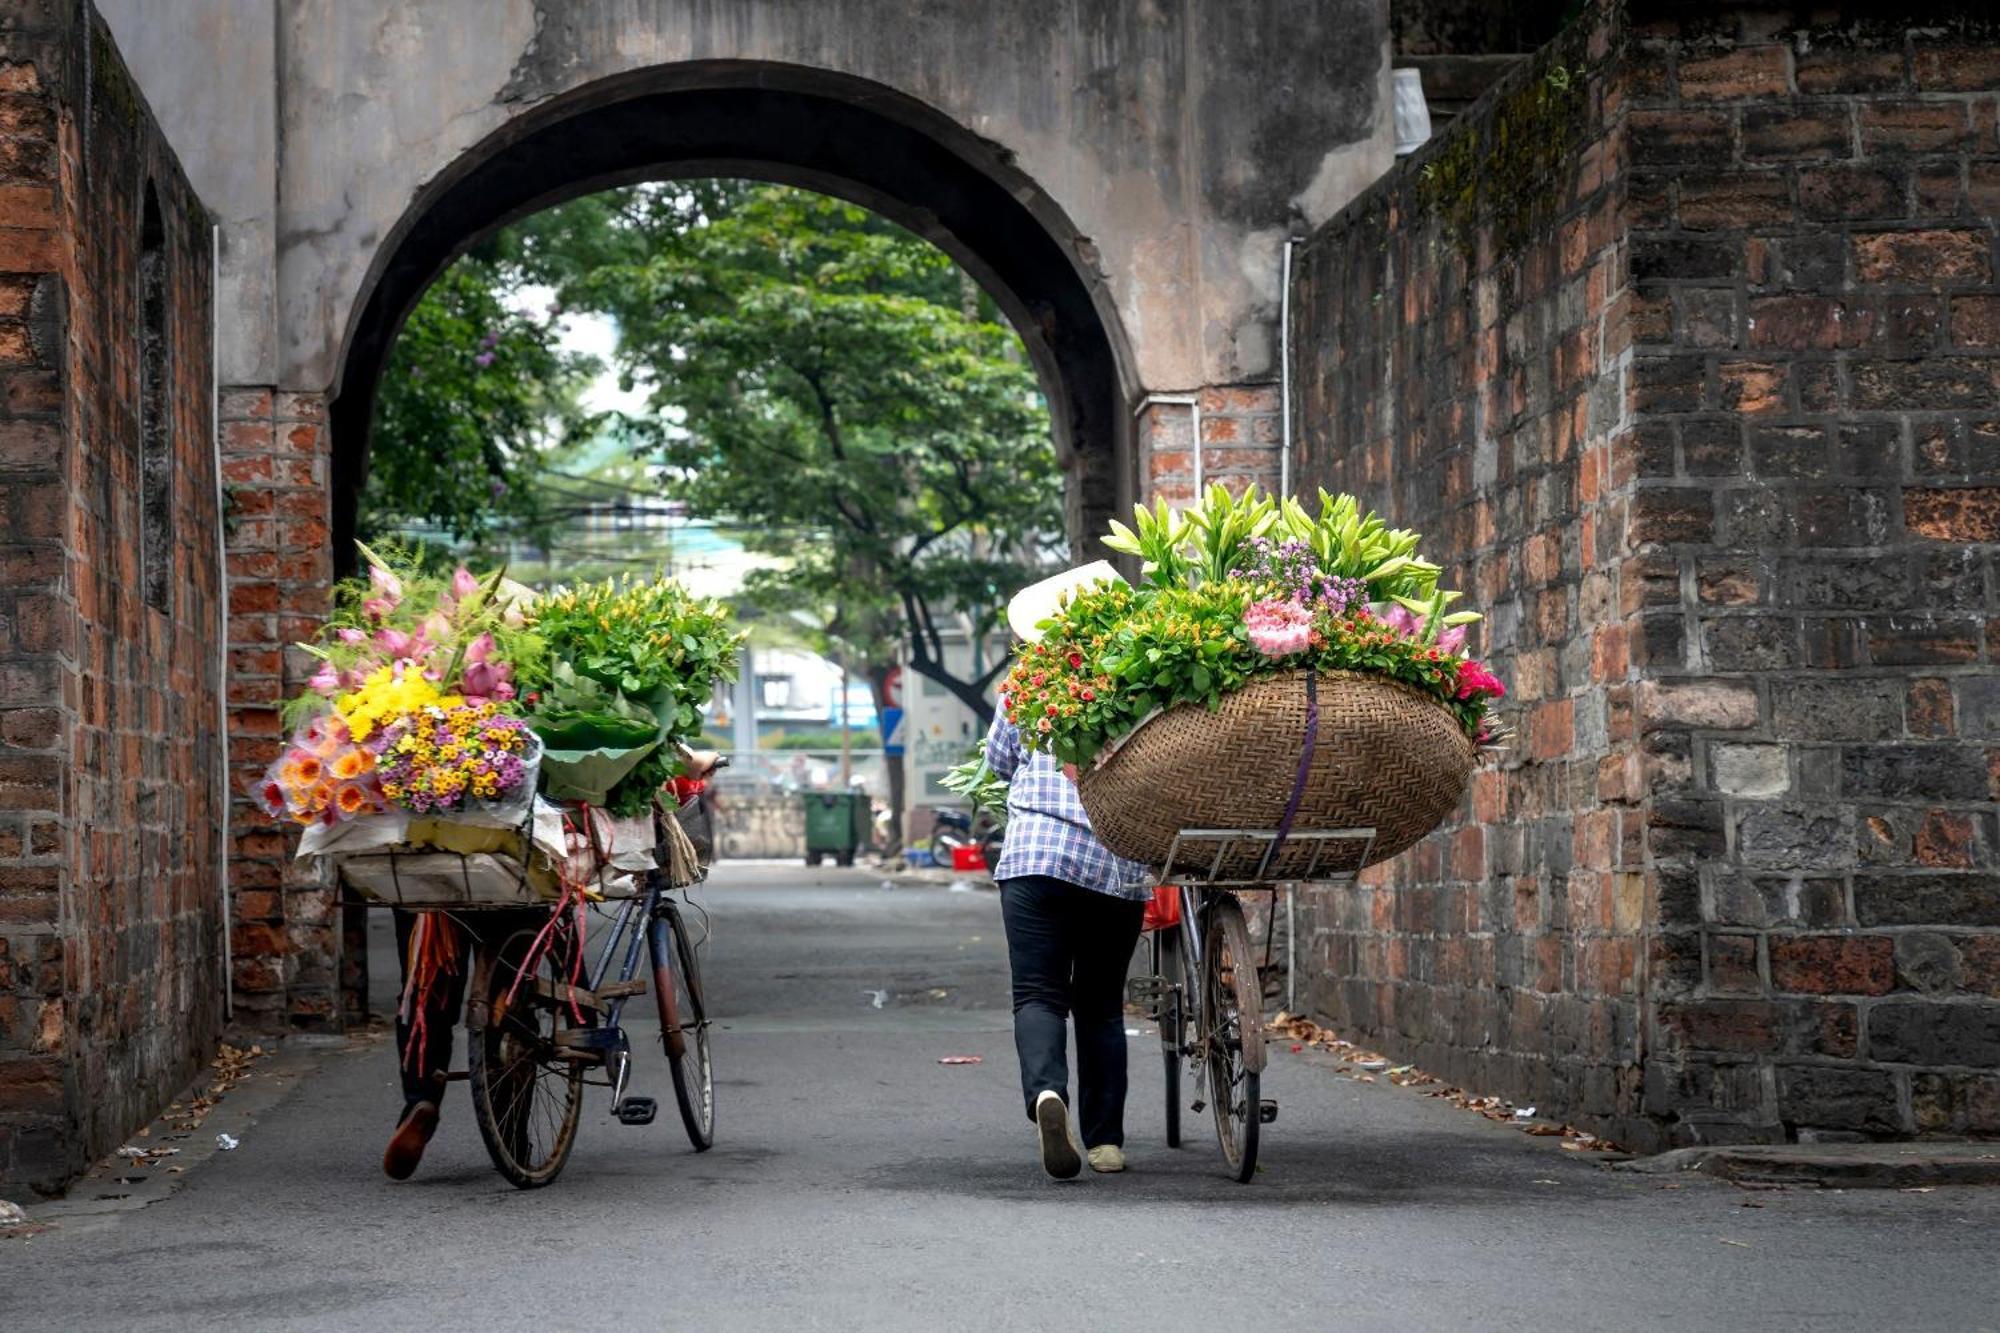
x=1233 y=1014
x=1167 y=967
x=684 y=1024
x=526 y=1093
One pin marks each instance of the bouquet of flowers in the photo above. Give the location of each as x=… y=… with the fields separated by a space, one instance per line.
x=1235 y=590
x=1325 y=632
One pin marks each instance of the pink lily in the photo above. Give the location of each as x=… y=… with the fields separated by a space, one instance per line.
x=393 y=642
x=326 y=680
x=386 y=585
x=349 y=634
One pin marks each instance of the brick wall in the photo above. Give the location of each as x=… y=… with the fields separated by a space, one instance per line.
x=110 y=840
x=1462 y=342
x=1681 y=346
x=1813 y=223
x=286 y=940
x=1239 y=442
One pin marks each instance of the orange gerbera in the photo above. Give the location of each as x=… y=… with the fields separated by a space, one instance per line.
x=309 y=768
x=352 y=764
x=353 y=798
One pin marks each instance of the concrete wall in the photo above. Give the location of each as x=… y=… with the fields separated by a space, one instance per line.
x=1182 y=143
x=111 y=900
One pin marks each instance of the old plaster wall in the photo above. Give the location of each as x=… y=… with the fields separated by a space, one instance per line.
x=1183 y=143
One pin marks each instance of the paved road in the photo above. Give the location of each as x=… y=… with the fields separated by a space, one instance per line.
x=859 y=1184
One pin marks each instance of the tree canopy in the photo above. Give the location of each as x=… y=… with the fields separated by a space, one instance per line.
x=831 y=383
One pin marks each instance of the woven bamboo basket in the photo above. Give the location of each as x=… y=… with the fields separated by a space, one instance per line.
x=1386 y=757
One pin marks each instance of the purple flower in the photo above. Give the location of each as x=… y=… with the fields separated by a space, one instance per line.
x=483 y=360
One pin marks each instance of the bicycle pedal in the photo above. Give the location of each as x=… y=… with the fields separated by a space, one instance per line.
x=1145 y=991
x=636 y=1111
x=1267 y=1111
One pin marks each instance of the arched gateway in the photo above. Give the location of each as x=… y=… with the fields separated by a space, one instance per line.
x=829 y=132
x=1123 y=177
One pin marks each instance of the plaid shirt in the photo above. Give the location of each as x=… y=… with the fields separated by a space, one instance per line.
x=1047 y=831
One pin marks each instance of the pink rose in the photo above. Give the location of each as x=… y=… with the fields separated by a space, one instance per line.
x=1278 y=629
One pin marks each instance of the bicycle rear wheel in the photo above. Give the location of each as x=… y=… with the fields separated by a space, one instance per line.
x=527 y=1091
x=1172 y=1019
x=1233 y=1012
x=684 y=1023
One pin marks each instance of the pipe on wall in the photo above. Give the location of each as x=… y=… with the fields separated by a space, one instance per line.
x=222 y=614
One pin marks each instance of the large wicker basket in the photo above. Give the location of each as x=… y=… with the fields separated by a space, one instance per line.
x=1385 y=757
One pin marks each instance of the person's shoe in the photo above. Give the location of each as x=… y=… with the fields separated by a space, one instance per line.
x=407 y=1144
x=1107 y=1157
x=1061 y=1157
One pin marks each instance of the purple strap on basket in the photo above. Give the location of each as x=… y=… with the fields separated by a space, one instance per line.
x=1305 y=767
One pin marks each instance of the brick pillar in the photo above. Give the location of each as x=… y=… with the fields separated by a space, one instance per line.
x=285 y=930
x=1239 y=442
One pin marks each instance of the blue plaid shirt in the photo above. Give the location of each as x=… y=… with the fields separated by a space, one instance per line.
x=1047 y=831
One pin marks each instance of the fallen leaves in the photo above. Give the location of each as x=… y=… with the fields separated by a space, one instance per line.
x=231 y=1066
x=1361 y=1065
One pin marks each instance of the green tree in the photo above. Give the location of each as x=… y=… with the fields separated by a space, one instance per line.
x=476 y=393
x=836 y=386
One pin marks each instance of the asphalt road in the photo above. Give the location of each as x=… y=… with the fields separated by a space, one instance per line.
x=858 y=1184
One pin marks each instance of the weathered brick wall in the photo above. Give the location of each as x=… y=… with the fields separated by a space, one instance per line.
x=110 y=839
x=1690 y=382
x=286 y=941
x=1813 y=218
x=1239 y=442
x=1462 y=342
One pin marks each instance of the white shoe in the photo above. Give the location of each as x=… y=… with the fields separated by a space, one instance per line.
x=1107 y=1158
x=1062 y=1157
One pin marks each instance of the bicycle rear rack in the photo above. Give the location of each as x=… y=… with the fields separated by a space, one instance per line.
x=1225 y=849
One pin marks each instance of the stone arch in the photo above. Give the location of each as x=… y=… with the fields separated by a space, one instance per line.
x=835 y=133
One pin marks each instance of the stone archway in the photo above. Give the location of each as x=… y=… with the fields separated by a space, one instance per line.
x=834 y=133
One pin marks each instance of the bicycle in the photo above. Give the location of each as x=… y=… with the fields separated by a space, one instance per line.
x=1206 y=987
x=534 y=1033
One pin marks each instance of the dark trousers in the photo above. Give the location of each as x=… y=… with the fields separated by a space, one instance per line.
x=424 y=1080
x=441 y=1009
x=1069 y=949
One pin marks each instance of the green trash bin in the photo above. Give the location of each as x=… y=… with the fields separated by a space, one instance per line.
x=836 y=825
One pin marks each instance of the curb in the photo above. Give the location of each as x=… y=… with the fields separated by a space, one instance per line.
x=1834 y=1165
x=115 y=1185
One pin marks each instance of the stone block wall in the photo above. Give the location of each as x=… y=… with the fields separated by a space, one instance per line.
x=1813 y=218
x=1681 y=346
x=111 y=980
x=1462 y=353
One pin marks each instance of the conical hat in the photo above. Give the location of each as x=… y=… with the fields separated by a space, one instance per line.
x=1038 y=601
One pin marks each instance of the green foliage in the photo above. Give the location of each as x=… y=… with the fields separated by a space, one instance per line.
x=975 y=780
x=648 y=639
x=833 y=383
x=474 y=393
